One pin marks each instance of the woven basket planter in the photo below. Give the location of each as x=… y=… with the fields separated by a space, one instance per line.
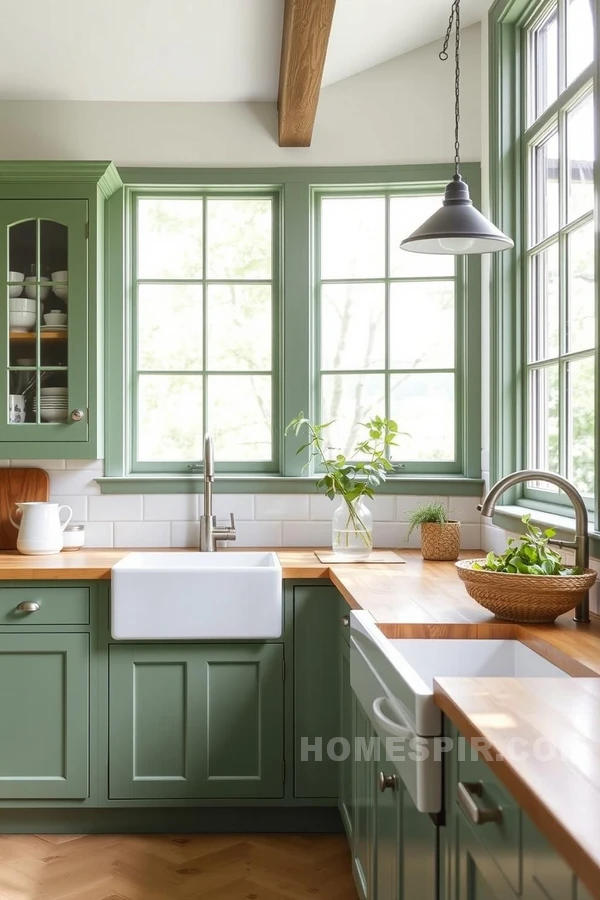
x=524 y=598
x=440 y=541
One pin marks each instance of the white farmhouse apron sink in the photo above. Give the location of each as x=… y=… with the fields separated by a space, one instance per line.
x=197 y=596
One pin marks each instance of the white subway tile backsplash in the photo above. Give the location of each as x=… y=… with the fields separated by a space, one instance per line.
x=185 y=534
x=99 y=534
x=257 y=534
x=405 y=503
x=49 y=464
x=241 y=505
x=142 y=534
x=74 y=481
x=464 y=509
x=321 y=508
x=470 y=537
x=115 y=507
x=307 y=534
x=79 y=505
x=92 y=465
x=170 y=507
x=267 y=520
x=283 y=507
x=392 y=534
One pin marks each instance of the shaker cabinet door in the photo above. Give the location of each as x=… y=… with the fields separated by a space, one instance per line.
x=44 y=716
x=194 y=721
x=44 y=323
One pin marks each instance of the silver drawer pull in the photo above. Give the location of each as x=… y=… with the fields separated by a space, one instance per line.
x=478 y=815
x=387 y=781
x=28 y=606
x=346 y=621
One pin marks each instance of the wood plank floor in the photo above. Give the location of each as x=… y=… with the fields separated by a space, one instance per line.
x=169 y=867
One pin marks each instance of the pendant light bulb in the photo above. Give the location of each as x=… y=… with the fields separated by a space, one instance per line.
x=457 y=228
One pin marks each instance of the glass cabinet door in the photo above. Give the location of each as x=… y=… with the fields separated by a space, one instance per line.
x=43 y=350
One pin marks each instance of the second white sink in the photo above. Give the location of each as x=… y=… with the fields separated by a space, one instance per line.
x=197 y=596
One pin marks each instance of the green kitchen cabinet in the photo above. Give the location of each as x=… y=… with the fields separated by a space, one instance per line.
x=406 y=842
x=316 y=620
x=364 y=784
x=52 y=262
x=345 y=766
x=195 y=721
x=503 y=856
x=44 y=716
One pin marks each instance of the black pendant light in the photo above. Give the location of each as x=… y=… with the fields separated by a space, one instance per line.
x=457 y=227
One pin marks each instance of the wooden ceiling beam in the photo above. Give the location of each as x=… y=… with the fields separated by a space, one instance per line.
x=306 y=29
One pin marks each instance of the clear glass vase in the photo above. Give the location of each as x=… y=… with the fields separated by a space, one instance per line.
x=352 y=529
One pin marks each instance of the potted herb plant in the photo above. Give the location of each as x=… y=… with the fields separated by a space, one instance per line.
x=352 y=479
x=529 y=581
x=440 y=536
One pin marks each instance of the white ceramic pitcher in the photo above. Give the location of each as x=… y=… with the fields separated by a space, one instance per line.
x=40 y=528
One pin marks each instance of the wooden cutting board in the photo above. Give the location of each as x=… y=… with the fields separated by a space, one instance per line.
x=19 y=486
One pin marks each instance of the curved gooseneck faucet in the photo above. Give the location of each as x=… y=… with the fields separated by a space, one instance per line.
x=581 y=542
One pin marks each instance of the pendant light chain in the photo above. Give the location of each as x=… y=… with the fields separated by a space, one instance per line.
x=454 y=20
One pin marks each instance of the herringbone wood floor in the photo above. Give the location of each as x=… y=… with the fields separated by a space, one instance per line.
x=172 y=867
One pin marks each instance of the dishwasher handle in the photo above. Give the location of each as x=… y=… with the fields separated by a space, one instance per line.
x=398 y=729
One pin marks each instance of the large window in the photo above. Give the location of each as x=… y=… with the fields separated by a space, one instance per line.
x=252 y=295
x=559 y=233
x=204 y=320
x=544 y=65
x=387 y=327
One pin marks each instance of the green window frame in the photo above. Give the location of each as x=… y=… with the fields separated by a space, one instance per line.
x=522 y=118
x=387 y=282
x=295 y=333
x=203 y=283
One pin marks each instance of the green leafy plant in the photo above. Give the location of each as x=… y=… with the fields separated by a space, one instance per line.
x=354 y=477
x=531 y=556
x=427 y=512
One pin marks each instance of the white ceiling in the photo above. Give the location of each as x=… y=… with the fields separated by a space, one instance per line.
x=192 y=50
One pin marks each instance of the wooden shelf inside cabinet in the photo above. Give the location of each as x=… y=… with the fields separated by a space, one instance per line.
x=29 y=336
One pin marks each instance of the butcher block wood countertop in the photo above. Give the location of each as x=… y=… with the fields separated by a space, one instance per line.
x=426 y=599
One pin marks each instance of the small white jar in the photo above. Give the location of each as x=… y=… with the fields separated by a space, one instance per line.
x=73 y=537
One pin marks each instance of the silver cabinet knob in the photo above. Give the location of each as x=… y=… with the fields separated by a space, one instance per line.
x=346 y=621
x=28 y=606
x=387 y=781
x=77 y=415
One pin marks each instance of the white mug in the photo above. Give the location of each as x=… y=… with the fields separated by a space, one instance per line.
x=16 y=408
x=40 y=529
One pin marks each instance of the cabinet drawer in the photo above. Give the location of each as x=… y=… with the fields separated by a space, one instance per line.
x=502 y=839
x=57 y=606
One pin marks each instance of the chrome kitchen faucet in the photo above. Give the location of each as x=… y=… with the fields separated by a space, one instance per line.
x=210 y=532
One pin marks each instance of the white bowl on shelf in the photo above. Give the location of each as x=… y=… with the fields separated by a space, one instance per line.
x=31 y=288
x=22 y=304
x=54 y=391
x=15 y=290
x=55 y=318
x=53 y=415
x=61 y=290
x=21 y=321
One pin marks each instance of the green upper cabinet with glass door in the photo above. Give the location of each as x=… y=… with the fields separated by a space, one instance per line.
x=51 y=340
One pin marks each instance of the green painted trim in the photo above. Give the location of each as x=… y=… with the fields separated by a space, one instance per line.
x=296 y=328
x=433 y=485
x=104 y=174
x=299 y=818
x=509 y=139
x=368 y=175
x=509 y=518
